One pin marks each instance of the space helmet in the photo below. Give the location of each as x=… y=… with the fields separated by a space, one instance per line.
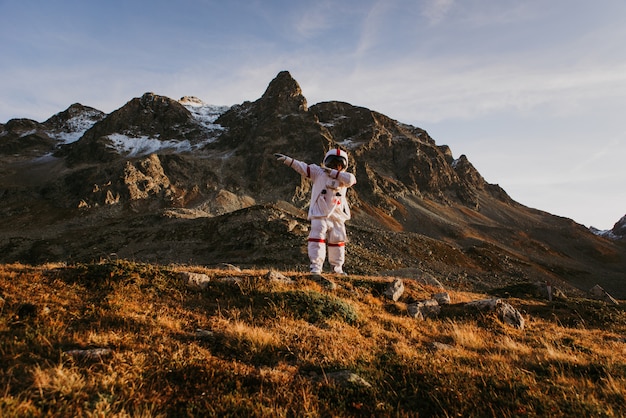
x=334 y=156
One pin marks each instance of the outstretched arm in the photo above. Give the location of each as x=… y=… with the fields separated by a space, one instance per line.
x=298 y=166
x=346 y=179
x=284 y=159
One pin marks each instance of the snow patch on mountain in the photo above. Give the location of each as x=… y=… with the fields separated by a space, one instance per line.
x=348 y=143
x=137 y=146
x=27 y=133
x=618 y=231
x=75 y=127
x=604 y=233
x=203 y=113
x=143 y=145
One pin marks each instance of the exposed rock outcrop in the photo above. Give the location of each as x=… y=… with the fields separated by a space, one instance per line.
x=619 y=229
x=25 y=138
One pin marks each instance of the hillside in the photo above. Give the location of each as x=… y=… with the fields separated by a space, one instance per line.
x=119 y=338
x=178 y=181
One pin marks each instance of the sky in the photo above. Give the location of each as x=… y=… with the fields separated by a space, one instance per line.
x=531 y=91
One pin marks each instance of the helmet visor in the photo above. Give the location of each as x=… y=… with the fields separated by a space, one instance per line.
x=334 y=161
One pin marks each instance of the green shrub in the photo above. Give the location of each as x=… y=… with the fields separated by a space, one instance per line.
x=314 y=306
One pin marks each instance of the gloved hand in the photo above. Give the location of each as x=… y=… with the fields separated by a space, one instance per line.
x=286 y=160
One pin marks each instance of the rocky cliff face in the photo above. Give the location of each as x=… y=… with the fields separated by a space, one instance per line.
x=178 y=181
x=619 y=229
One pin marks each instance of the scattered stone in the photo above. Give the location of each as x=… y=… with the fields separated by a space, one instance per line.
x=598 y=293
x=325 y=282
x=548 y=291
x=544 y=290
x=203 y=334
x=507 y=313
x=442 y=298
x=195 y=280
x=274 y=276
x=348 y=378
x=90 y=354
x=395 y=290
x=424 y=309
x=229 y=267
x=437 y=346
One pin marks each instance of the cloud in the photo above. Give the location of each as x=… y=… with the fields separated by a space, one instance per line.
x=442 y=89
x=370 y=28
x=312 y=21
x=597 y=154
x=436 y=10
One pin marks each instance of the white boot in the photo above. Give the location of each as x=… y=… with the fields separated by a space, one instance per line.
x=336 y=257
x=317 y=254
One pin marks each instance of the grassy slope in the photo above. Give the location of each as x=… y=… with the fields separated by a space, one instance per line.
x=269 y=349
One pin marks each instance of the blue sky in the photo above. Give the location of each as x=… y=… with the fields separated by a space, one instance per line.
x=531 y=91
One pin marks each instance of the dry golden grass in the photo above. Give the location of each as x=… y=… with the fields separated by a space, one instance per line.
x=251 y=347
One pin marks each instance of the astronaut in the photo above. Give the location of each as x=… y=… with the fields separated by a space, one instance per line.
x=329 y=209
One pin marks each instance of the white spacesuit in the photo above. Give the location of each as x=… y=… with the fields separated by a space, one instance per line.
x=329 y=209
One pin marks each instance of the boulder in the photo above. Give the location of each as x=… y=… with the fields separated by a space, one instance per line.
x=395 y=290
x=229 y=267
x=348 y=378
x=598 y=293
x=506 y=313
x=274 y=276
x=195 y=280
x=424 y=309
x=510 y=315
x=442 y=298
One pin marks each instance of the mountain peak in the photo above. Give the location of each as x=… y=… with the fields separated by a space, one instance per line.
x=150 y=116
x=284 y=95
x=70 y=124
x=619 y=228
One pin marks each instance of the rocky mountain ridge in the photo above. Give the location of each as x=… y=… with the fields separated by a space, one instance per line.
x=178 y=181
x=618 y=232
